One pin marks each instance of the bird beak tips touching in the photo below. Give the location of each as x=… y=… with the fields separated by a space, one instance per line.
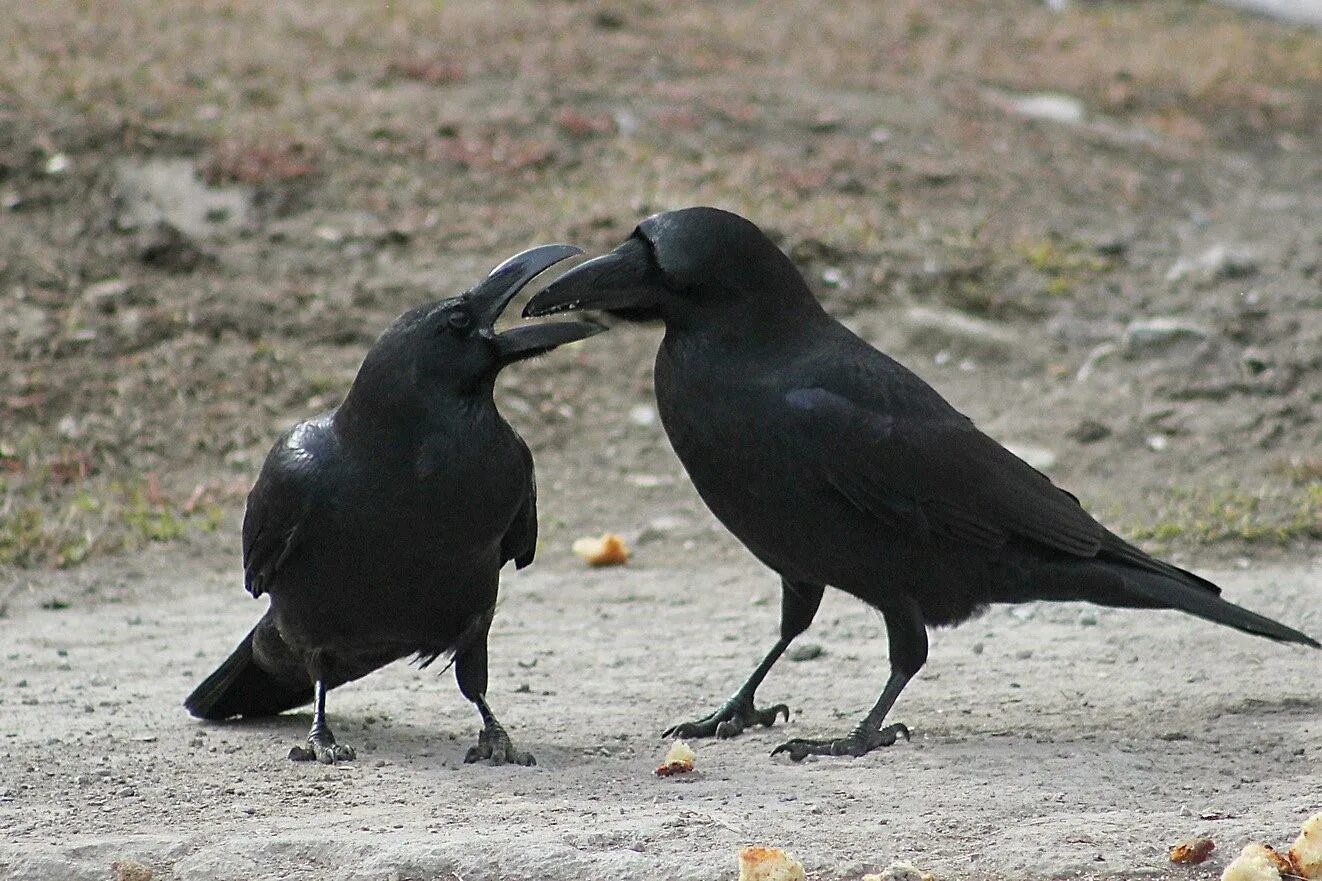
x=494 y=293
x=619 y=279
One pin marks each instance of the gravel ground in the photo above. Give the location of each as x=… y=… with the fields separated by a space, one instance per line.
x=1049 y=741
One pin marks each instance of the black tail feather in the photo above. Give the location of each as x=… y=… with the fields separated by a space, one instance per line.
x=1191 y=594
x=239 y=687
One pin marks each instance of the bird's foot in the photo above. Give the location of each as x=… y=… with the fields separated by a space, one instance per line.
x=860 y=743
x=494 y=744
x=730 y=719
x=322 y=748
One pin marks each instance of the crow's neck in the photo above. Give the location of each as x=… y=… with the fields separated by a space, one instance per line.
x=750 y=329
x=396 y=428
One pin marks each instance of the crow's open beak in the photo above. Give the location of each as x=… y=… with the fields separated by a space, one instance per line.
x=528 y=340
x=490 y=298
x=494 y=293
x=624 y=279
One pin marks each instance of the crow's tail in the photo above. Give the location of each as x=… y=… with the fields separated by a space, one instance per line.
x=240 y=687
x=1190 y=594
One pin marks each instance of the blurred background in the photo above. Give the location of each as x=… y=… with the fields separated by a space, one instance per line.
x=1093 y=226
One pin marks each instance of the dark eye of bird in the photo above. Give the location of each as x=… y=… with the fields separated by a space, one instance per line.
x=459 y=320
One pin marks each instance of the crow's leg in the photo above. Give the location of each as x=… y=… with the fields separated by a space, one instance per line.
x=321 y=742
x=798 y=605
x=470 y=670
x=908 y=652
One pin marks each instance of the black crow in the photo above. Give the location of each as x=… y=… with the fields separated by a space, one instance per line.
x=379 y=529
x=837 y=466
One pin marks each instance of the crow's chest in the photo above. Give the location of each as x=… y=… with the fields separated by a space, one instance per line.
x=728 y=435
x=443 y=500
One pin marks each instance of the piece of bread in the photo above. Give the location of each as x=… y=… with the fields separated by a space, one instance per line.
x=679 y=760
x=609 y=550
x=1305 y=854
x=1192 y=851
x=1256 y=862
x=768 y=864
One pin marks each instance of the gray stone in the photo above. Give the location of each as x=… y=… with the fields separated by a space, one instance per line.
x=1147 y=335
x=168 y=191
x=1050 y=106
x=1089 y=431
x=1040 y=458
x=26 y=324
x=643 y=415
x=940 y=328
x=807 y=651
x=1218 y=262
x=107 y=295
x=1305 y=12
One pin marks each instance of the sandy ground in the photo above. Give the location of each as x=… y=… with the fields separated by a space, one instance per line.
x=1092 y=226
x=1049 y=741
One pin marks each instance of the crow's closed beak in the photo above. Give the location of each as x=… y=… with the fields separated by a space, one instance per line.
x=624 y=279
x=490 y=298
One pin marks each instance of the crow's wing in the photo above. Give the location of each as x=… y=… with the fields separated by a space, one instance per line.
x=520 y=540
x=937 y=474
x=279 y=503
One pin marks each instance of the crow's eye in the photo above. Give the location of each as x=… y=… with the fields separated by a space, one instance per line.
x=459 y=320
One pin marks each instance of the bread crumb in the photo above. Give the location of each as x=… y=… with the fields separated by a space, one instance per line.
x=768 y=864
x=679 y=760
x=609 y=550
x=1192 y=851
x=1256 y=862
x=1306 y=853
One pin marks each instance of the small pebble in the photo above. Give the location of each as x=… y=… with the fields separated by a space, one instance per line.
x=805 y=652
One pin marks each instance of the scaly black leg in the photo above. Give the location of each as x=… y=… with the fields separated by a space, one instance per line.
x=798 y=605
x=470 y=671
x=321 y=742
x=908 y=652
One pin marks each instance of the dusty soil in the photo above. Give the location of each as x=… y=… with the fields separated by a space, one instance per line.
x=1094 y=230
x=1049 y=741
x=209 y=212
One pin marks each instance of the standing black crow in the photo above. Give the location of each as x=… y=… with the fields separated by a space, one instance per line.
x=837 y=466
x=379 y=528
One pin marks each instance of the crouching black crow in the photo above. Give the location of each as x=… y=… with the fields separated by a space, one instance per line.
x=378 y=529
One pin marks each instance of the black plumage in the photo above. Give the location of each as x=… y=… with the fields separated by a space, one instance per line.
x=378 y=529
x=837 y=466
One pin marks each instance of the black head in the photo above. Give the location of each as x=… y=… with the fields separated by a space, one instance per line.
x=682 y=266
x=450 y=348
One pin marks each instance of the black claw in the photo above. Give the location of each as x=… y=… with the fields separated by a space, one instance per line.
x=494 y=745
x=324 y=750
x=857 y=744
x=731 y=719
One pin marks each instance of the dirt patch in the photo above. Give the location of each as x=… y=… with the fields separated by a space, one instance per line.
x=207 y=215
x=1050 y=741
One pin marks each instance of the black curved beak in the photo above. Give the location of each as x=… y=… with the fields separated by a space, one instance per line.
x=530 y=340
x=494 y=293
x=623 y=280
x=503 y=283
